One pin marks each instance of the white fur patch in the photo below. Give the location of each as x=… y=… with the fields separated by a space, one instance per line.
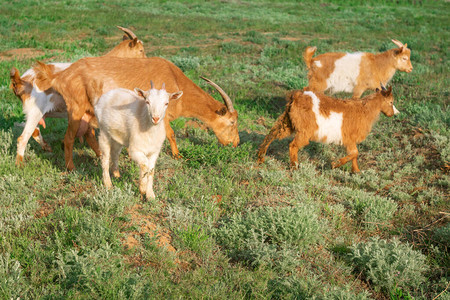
x=318 y=63
x=330 y=128
x=346 y=71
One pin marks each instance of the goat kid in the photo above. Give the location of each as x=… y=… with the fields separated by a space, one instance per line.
x=38 y=105
x=87 y=79
x=319 y=118
x=355 y=72
x=134 y=120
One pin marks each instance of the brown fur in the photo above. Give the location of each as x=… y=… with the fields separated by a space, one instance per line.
x=128 y=48
x=298 y=118
x=375 y=69
x=22 y=88
x=87 y=79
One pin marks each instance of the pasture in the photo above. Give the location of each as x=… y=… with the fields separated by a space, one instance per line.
x=221 y=225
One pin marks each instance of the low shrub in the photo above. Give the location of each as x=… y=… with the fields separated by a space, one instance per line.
x=270 y=236
x=390 y=266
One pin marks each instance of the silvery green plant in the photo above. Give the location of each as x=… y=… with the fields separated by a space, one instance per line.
x=268 y=235
x=389 y=265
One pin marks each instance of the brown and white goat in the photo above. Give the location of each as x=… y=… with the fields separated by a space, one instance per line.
x=317 y=117
x=86 y=80
x=355 y=72
x=38 y=105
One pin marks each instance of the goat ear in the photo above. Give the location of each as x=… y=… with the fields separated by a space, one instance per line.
x=140 y=92
x=222 y=111
x=175 y=96
x=133 y=43
x=387 y=92
x=14 y=75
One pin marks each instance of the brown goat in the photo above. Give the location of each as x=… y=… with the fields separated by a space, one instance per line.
x=317 y=117
x=355 y=72
x=130 y=47
x=87 y=79
x=37 y=104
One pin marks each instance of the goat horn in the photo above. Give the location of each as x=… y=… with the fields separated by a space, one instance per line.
x=151 y=84
x=398 y=43
x=128 y=32
x=224 y=95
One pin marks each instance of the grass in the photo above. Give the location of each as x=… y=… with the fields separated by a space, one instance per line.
x=223 y=226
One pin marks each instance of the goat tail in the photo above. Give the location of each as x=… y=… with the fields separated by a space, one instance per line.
x=308 y=55
x=44 y=75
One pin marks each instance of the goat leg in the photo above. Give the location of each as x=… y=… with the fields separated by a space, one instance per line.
x=280 y=130
x=352 y=155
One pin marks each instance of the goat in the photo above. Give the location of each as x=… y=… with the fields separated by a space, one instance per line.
x=134 y=120
x=317 y=117
x=87 y=79
x=38 y=105
x=355 y=72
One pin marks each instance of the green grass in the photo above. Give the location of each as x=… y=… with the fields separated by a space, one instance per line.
x=238 y=230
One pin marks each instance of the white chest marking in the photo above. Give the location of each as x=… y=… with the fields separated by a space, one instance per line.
x=318 y=63
x=346 y=71
x=330 y=128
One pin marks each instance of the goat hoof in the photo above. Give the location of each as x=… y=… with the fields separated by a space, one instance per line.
x=294 y=166
x=19 y=161
x=176 y=156
x=47 y=148
x=70 y=167
x=116 y=174
x=260 y=160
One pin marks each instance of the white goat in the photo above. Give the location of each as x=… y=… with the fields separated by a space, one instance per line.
x=133 y=119
x=37 y=104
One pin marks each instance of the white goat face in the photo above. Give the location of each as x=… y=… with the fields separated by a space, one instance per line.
x=157 y=102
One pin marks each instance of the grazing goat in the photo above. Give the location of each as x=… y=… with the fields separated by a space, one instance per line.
x=87 y=79
x=134 y=120
x=317 y=117
x=38 y=104
x=355 y=72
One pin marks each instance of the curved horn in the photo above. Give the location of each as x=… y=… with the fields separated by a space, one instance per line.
x=128 y=32
x=151 y=85
x=398 y=43
x=224 y=95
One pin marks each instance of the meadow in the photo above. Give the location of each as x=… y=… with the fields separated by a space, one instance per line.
x=223 y=226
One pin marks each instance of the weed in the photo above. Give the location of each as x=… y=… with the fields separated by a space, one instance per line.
x=270 y=236
x=390 y=266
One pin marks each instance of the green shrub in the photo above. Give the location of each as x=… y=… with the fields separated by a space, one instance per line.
x=186 y=63
x=372 y=211
x=12 y=281
x=389 y=265
x=86 y=273
x=270 y=236
x=442 y=234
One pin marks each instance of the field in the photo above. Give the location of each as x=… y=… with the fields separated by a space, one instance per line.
x=223 y=226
